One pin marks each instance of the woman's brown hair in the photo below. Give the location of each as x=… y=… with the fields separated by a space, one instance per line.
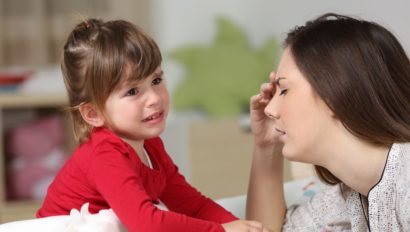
x=361 y=72
x=95 y=57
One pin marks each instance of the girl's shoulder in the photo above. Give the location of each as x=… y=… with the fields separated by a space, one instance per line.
x=102 y=135
x=101 y=139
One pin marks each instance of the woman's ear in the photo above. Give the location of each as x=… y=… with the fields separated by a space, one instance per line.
x=91 y=115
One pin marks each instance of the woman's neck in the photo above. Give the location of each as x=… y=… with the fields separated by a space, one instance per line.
x=356 y=163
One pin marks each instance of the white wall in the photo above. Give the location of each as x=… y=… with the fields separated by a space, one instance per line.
x=178 y=22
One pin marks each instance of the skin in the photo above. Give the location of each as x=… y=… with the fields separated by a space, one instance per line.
x=302 y=120
x=289 y=120
x=137 y=110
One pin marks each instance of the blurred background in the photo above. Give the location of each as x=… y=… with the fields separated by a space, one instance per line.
x=216 y=55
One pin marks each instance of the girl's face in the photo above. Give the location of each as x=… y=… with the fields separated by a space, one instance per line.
x=303 y=120
x=137 y=110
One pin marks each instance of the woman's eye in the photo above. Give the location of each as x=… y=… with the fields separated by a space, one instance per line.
x=132 y=92
x=283 y=92
x=157 y=81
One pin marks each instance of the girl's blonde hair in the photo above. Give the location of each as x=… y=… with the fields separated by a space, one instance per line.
x=95 y=57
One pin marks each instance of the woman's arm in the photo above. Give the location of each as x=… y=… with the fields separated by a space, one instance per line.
x=179 y=196
x=266 y=202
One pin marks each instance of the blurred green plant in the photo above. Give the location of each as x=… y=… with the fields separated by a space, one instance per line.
x=221 y=78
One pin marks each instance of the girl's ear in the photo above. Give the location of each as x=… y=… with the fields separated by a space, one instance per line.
x=91 y=115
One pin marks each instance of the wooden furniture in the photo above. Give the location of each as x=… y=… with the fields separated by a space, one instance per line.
x=220 y=157
x=14 y=110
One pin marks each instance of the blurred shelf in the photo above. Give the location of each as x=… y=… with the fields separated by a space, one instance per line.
x=16 y=100
x=20 y=104
x=18 y=210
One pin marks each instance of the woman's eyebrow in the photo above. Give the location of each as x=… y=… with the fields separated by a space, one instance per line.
x=277 y=81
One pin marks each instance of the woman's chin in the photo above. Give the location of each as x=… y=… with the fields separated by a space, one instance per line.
x=289 y=154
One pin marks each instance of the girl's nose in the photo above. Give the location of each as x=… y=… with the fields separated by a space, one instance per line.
x=153 y=97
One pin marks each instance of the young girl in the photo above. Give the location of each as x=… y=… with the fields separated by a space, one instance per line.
x=118 y=104
x=340 y=100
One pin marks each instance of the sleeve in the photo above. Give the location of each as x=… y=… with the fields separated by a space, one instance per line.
x=119 y=183
x=326 y=211
x=180 y=196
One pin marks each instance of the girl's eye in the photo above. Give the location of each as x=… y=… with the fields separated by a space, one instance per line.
x=283 y=92
x=157 y=81
x=132 y=92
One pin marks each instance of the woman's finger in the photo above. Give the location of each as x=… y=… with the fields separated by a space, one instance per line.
x=255 y=225
x=266 y=90
x=257 y=102
x=272 y=76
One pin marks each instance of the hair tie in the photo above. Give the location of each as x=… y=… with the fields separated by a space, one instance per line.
x=87 y=25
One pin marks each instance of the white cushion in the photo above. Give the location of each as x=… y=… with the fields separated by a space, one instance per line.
x=77 y=221
x=296 y=192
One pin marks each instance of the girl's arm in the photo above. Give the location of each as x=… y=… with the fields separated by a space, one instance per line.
x=121 y=185
x=179 y=196
x=266 y=202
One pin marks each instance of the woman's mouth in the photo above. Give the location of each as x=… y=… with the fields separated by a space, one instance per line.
x=281 y=133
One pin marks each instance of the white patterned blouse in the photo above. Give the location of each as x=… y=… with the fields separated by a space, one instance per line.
x=339 y=208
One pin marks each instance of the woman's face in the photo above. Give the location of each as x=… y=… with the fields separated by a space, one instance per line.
x=303 y=120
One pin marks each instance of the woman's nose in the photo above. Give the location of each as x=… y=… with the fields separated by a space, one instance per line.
x=271 y=109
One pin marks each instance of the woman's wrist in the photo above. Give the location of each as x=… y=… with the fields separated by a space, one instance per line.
x=269 y=156
x=268 y=150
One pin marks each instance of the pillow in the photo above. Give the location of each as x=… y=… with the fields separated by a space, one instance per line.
x=48 y=224
x=296 y=192
x=77 y=221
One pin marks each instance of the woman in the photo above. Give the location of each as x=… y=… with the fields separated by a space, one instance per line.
x=340 y=100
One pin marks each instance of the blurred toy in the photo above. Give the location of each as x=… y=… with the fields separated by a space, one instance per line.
x=220 y=77
x=37 y=153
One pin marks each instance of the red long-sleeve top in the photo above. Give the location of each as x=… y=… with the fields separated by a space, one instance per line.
x=106 y=172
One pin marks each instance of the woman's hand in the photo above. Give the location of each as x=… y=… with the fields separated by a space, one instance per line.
x=265 y=200
x=244 y=226
x=263 y=127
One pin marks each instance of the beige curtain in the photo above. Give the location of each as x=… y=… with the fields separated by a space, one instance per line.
x=32 y=32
